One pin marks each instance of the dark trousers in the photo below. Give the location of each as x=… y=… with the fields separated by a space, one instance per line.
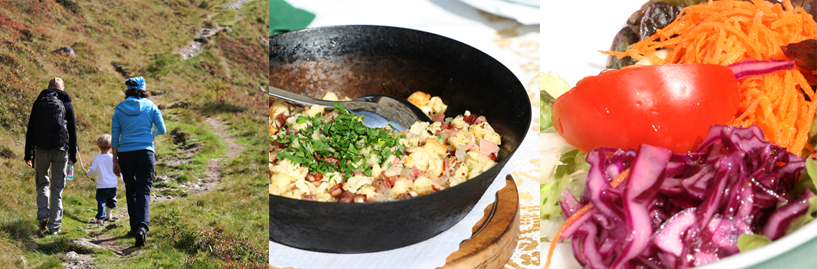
x=105 y=197
x=137 y=172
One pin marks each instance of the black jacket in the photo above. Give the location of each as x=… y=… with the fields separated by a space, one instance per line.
x=71 y=125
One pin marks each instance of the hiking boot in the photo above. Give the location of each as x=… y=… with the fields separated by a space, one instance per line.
x=43 y=222
x=53 y=232
x=141 y=237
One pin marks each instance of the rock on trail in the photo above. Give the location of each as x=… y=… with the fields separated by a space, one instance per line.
x=237 y=4
x=210 y=29
x=201 y=39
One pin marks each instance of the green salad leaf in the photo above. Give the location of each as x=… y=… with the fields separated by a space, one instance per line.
x=570 y=174
x=544 y=111
x=811 y=213
x=748 y=242
x=811 y=169
x=808 y=180
x=562 y=166
x=551 y=86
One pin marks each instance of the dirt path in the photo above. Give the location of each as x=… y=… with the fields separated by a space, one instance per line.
x=97 y=233
x=214 y=166
x=98 y=238
x=209 y=29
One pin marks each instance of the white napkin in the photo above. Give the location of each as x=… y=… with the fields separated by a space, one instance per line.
x=430 y=253
x=523 y=13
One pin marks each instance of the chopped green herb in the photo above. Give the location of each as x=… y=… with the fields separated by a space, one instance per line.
x=344 y=138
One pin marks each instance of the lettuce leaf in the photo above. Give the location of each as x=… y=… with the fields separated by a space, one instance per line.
x=748 y=242
x=544 y=111
x=571 y=174
x=811 y=213
x=551 y=86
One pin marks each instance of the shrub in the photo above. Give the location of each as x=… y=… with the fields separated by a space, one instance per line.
x=72 y=5
x=160 y=63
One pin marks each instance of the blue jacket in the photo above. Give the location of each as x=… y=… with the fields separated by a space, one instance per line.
x=132 y=123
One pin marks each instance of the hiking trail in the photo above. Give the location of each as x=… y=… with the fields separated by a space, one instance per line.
x=98 y=235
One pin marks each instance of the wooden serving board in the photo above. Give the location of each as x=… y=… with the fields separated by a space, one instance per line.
x=494 y=237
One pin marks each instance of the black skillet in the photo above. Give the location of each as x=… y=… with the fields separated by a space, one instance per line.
x=358 y=60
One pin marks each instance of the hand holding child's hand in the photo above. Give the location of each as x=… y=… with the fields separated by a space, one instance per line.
x=116 y=170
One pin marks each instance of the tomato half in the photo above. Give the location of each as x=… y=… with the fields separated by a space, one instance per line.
x=671 y=106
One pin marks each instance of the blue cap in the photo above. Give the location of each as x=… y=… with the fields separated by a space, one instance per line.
x=140 y=83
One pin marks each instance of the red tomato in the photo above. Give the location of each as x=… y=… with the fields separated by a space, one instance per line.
x=671 y=106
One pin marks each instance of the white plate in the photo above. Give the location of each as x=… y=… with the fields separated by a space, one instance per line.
x=571 y=38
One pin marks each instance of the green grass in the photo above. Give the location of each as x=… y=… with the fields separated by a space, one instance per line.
x=223 y=228
x=227 y=17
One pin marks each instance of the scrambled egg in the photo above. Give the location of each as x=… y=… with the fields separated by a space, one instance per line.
x=437 y=155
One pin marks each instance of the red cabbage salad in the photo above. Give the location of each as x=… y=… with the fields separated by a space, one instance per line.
x=647 y=201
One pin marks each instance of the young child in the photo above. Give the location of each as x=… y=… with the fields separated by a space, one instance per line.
x=102 y=169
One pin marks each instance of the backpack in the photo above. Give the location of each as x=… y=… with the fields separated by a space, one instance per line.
x=50 y=125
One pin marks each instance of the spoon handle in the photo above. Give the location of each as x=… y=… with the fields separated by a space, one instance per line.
x=297 y=98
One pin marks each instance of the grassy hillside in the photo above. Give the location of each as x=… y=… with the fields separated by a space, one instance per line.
x=112 y=39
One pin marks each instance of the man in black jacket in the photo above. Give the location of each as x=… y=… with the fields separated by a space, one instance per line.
x=51 y=142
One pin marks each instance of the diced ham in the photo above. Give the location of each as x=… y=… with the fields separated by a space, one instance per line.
x=470 y=119
x=314 y=177
x=437 y=117
x=389 y=181
x=487 y=147
x=281 y=119
x=480 y=119
x=446 y=165
x=382 y=184
x=472 y=145
x=347 y=197
x=436 y=186
x=332 y=160
x=336 y=190
x=414 y=173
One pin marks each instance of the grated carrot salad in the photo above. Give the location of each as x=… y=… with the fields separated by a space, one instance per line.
x=725 y=32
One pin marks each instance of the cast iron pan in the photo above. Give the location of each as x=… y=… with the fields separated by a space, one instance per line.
x=357 y=60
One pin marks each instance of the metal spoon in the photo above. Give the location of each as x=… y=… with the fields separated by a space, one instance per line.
x=378 y=110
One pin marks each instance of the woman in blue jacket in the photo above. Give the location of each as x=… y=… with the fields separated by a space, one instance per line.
x=136 y=121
